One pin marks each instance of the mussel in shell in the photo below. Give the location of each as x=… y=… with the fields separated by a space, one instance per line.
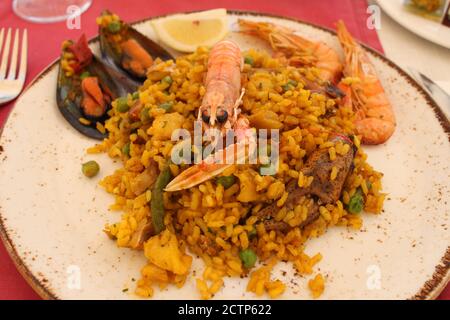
x=86 y=87
x=126 y=48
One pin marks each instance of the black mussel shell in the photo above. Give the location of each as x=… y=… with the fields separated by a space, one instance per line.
x=69 y=95
x=112 y=54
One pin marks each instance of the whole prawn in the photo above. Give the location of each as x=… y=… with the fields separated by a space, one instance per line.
x=219 y=110
x=375 y=119
x=223 y=86
x=298 y=50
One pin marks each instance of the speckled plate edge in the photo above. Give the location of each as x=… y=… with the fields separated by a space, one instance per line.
x=430 y=289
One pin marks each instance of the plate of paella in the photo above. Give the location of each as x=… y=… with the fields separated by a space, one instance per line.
x=246 y=156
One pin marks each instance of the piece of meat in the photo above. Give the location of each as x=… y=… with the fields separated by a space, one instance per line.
x=282 y=226
x=294 y=195
x=142 y=234
x=313 y=214
x=82 y=52
x=319 y=166
x=145 y=180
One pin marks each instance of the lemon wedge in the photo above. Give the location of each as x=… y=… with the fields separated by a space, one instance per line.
x=186 y=32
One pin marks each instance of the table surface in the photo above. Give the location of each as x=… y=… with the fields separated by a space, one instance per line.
x=400 y=45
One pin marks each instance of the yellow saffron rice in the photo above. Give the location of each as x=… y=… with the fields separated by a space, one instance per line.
x=208 y=220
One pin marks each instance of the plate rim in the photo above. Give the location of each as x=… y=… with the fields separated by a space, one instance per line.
x=401 y=22
x=429 y=290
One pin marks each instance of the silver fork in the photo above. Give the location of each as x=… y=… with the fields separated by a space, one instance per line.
x=12 y=84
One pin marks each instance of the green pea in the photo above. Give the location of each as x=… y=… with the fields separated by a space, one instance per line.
x=249 y=60
x=84 y=75
x=226 y=181
x=291 y=84
x=166 y=106
x=167 y=79
x=90 y=168
x=114 y=26
x=122 y=104
x=126 y=149
x=356 y=203
x=135 y=95
x=248 y=258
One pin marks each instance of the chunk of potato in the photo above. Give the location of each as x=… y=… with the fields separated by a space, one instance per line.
x=247 y=187
x=165 y=124
x=155 y=273
x=162 y=250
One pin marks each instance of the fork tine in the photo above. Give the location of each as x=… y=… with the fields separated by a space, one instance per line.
x=14 y=53
x=1 y=38
x=5 y=54
x=23 y=56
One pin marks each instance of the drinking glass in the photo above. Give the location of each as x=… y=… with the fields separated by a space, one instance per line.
x=43 y=11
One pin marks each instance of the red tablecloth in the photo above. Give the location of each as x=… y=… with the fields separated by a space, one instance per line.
x=45 y=40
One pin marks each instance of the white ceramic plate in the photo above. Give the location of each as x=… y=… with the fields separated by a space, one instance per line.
x=52 y=216
x=427 y=29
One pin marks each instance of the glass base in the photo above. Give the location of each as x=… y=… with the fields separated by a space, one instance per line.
x=47 y=11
